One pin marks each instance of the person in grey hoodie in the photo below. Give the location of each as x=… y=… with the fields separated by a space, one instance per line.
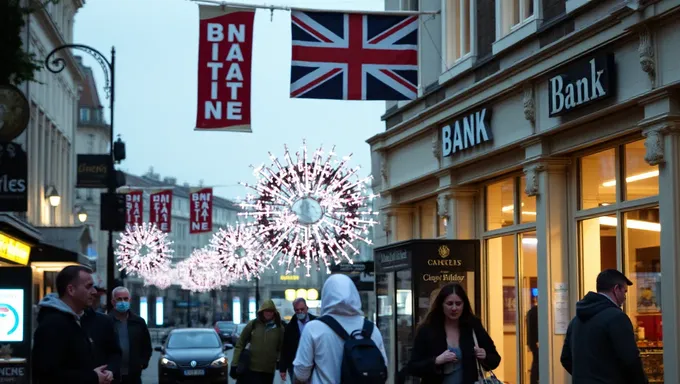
x=62 y=349
x=600 y=343
x=320 y=352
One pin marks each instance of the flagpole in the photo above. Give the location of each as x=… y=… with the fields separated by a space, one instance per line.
x=285 y=8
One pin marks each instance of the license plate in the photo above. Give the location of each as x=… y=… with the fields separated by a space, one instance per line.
x=194 y=372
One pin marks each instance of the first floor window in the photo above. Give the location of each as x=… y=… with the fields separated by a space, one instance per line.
x=511 y=14
x=459 y=18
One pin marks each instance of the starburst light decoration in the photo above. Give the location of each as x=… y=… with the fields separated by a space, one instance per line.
x=310 y=211
x=161 y=280
x=239 y=251
x=202 y=271
x=144 y=250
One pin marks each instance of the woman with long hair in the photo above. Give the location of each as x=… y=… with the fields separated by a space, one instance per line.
x=444 y=351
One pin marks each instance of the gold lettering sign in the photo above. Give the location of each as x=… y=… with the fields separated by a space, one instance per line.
x=85 y=168
x=445 y=263
x=445 y=277
x=14 y=250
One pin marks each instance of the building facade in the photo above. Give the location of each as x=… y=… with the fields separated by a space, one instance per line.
x=548 y=131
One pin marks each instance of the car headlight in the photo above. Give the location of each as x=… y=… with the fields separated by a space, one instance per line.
x=220 y=362
x=168 y=363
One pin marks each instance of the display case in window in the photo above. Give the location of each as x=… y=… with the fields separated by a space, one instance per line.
x=408 y=277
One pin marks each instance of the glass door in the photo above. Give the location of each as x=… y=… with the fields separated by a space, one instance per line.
x=404 y=327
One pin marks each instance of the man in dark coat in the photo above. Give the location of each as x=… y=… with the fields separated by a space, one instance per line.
x=532 y=341
x=62 y=350
x=102 y=331
x=600 y=343
x=133 y=336
x=291 y=338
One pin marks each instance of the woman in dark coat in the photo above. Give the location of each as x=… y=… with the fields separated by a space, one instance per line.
x=444 y=350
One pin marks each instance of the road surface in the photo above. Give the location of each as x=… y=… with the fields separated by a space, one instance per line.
x=150 y=375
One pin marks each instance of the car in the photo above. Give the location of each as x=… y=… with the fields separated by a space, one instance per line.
x=193 y=355
x=225 y=329
x=237 y=332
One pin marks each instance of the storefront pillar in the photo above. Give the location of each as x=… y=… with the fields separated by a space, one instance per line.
x=547 y=180
x=663 y=149
x=457 y=206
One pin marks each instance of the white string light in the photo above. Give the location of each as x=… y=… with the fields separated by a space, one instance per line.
x=239 y=251
x=143 y=250
x=202 y=271
x=310 y=211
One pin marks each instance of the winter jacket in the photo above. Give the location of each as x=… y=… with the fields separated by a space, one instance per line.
x=600 y=344
x=266 y=341
x=140 y=343
x=291 y=340
x=430 y=342
x=319 y=355
x=105 y=344
x=62 y=350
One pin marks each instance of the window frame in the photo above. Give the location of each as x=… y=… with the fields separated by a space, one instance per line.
x=518 y=32
x=464 y=62
x=618 y=209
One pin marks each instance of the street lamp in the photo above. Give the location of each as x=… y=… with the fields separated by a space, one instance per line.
x=56 y=65
x=82 y=214
x=54 y=199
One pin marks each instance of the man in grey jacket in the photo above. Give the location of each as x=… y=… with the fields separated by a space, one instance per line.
x=600 y=344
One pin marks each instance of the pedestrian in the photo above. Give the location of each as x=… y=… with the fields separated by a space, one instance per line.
x=320 y=355
x=62 y=350
x=291 y=338
x=600 y=343
x=133 y=336
x=532 y=340
x=451 y=344
x=262 y=338
x=102 y=332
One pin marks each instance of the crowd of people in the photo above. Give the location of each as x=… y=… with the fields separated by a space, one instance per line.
x=75 y=343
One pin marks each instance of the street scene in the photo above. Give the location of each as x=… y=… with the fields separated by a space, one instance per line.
x=339 y=191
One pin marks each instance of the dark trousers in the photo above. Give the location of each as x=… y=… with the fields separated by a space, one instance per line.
x=251 y=377
x=131 y=379
x=533 y=377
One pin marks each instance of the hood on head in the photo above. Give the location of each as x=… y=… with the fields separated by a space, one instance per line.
x=53 y=302
x=340 y=296
x=592 y=304
x=269 y=305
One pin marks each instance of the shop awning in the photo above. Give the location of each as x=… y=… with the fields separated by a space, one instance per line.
x=63 y=245
x=16 y=239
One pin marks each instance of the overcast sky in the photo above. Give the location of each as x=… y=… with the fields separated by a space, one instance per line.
x=156 y=69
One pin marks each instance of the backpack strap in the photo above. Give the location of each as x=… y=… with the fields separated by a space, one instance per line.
x=367 y=332
x=335 y=326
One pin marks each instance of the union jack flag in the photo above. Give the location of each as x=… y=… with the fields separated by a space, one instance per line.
x=354 y=56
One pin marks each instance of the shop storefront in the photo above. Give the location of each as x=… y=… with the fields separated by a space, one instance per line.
x=560 y=169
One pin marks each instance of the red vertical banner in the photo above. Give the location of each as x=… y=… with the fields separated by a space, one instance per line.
x=201 y=201
x=160 y=210
x=225 y=50
x=134 y=202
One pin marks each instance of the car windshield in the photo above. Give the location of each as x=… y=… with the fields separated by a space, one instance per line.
x=240 y=328
x=225 y=327
x=193 y=340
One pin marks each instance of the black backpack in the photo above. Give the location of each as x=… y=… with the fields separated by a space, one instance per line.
x=362 y=362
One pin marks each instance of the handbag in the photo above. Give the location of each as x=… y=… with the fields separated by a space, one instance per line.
x=481 y=373
x=244 y=357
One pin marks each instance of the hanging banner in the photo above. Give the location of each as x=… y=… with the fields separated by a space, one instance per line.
x=134 y=203
x=353 y=56
x=224 y=68
x=160 y=210
x=201 y=201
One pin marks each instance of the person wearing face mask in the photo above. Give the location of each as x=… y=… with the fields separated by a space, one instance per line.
x=600 y=343
x=133 y=336
x=291 y=338
x=263 y=338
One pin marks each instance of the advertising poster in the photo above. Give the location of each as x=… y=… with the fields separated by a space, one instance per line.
x=11 y=315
